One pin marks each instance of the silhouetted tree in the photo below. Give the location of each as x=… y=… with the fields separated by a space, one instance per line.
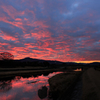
x=6 y=56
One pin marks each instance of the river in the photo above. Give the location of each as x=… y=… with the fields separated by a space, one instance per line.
x=29 y=88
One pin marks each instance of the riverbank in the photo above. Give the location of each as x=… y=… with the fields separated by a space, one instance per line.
x=76 y=85
x=61 y=85
x=12 y=72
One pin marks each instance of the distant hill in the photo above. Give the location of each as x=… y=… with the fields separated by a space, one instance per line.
x=31 y=61
x=95 y=63
x=28 y=59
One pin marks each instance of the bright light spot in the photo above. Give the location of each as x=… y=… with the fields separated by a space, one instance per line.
x=78 y=69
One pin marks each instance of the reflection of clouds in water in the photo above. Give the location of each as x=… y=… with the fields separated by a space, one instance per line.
x=7 y=96
x=78 y=69
x=5 y=86
x=26 y=88
x=54 y=73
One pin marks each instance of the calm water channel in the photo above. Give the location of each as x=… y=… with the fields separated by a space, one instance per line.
x=25 y=88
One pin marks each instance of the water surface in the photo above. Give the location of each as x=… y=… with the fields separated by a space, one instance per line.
x=24 y=88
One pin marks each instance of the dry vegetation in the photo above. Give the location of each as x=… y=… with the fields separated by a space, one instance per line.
x=62 y=83
x=91 y=85
x=4 y=73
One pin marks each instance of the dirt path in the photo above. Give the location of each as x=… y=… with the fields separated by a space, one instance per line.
x=77 y=91
x=91 y=85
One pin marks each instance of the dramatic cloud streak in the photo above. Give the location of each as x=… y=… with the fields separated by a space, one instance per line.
x=51 y=29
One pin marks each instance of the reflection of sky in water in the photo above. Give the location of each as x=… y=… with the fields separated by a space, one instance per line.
x=78 y=69
x=24 y=88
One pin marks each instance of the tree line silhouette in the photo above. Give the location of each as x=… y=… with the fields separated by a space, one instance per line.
x=7 y=61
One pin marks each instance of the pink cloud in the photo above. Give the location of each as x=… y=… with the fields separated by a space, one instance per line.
x=11 y=11
x=7 y=37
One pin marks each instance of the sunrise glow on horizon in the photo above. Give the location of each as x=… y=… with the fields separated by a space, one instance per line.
x=61 y=30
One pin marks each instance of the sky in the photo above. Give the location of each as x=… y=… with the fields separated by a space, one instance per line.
x=63 y=30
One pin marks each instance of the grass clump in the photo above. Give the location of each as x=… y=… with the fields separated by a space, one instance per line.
x=61 y=83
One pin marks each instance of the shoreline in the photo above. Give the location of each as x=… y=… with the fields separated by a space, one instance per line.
x=83 y=86
x=8 y=74
x=61 y=85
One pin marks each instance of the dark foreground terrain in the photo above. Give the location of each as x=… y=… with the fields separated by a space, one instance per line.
x=76 y=85
x=6 y=73
x=70 y=85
